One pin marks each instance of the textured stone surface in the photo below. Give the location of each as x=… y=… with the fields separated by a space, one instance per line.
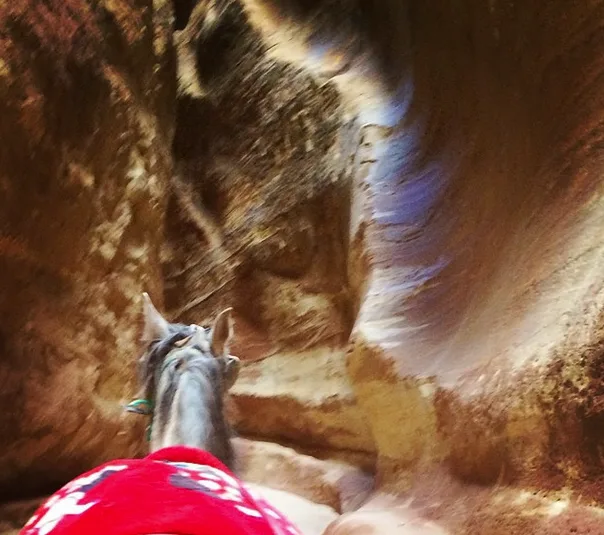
x=336 y=484
x=472 y=247
x=316 y=404
x=14 y=515
x=382 y=521
x=438 y=506
x=401 y=200
x=86 y=98
x=310 y=518
x=269 y=199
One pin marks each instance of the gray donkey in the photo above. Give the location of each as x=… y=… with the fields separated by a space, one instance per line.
x=185 y=372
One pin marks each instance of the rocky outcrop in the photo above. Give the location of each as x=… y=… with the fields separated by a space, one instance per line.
x=87 y=106
x=338 y=485
x=260 y=215
x=317 y=406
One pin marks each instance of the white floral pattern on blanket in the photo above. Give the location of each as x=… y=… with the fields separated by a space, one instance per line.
x=68 y=501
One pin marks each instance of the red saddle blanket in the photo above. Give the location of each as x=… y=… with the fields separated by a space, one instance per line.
x=177 y=490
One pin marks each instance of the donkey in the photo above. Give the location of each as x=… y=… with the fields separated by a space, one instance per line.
x=185 y=485
x=185 y=372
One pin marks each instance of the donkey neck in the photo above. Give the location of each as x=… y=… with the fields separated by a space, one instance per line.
x=189 y=406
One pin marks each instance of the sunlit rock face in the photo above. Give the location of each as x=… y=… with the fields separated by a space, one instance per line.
x=472 y=241
x=87 y=111
x=401 y=200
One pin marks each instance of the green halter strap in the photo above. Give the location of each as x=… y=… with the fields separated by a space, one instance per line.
x=136 y=406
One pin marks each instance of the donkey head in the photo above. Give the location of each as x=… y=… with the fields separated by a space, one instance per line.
x=186 y=372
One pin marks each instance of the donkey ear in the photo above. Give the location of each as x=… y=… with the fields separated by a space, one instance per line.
x=156 y=326
x=221 y=333
x=231 y=371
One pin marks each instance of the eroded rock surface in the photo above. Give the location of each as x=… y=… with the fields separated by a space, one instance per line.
x=473 y=247
x=339 y=485
x=317 y=406
x=309 y=517
x=401 y=200
x=87 y=118
x=264 y=225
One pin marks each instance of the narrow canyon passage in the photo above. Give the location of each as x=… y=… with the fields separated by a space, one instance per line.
x=402 y=202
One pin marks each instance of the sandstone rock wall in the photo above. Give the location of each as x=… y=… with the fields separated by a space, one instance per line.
x=401 y=200
x=259 y=221
x=87 y=98
x=474 y=245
